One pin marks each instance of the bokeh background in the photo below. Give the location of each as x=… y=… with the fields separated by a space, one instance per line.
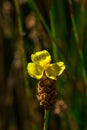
x=27 y=26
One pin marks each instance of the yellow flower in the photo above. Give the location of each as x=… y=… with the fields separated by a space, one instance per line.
x=41 y=63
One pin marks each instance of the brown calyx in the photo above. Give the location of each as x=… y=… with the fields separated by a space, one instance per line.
x=46 y=92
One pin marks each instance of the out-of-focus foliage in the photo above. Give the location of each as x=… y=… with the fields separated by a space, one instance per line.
x=27 y=26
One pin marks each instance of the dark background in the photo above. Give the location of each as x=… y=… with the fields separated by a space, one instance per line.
x=27 y=26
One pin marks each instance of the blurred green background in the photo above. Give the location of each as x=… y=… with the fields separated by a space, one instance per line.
x=27 y=26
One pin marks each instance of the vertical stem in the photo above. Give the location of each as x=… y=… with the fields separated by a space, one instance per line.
x=78 y=42
x=20 y=29
x=46 y=119
x=18 y=16
x=53 y=32
x=73 y=21
x=2 y=82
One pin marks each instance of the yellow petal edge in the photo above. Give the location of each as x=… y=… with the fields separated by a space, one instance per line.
x=62 y=66
x=41 y=57
x=54 y=70
x=35 y=71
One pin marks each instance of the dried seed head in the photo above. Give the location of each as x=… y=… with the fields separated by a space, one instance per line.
x=30 y=21
x=60 y=107
x=46 y=92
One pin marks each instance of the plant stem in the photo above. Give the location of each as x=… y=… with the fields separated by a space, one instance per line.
x=46 y=119
x=53 y=31
x=78 y=42
x=18 y=17
x=20 y=29
x=24 y=62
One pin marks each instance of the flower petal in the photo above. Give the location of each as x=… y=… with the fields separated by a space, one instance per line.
x=54 y=70
x=41 y=57
x=35 y=71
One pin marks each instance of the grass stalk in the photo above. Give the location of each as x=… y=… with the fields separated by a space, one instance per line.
x=78 y=42
x=20 y=29
x=24 y=62
x=53 y=31
x=46 y=116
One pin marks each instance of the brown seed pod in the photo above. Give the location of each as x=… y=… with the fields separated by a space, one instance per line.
x=60 y=107
x=46 y=92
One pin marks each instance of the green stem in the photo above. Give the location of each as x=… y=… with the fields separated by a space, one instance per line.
x=20 y=29
x=77 y=42
x=53 y=31
x=46 y=118
x=18 y=16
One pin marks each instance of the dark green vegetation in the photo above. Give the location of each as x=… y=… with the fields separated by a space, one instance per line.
x=59 y=26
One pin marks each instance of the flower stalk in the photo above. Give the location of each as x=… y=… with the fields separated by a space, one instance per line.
x=46 y=116
x=47 y=74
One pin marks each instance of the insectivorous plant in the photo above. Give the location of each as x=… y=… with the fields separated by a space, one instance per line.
x=47 y=74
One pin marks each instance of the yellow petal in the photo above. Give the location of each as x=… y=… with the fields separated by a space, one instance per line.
x=35 y=71
x=54 y=70
x=41 y=57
